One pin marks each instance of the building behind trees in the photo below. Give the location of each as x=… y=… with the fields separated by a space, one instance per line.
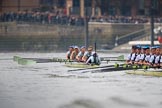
x=78 y=7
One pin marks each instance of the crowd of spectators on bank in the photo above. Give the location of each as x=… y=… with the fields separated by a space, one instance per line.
x=63 y=19
x=41 y=18
x=124 y=19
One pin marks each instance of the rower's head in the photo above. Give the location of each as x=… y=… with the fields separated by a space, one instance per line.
x=76 y=49
x=158 y=50
x=143 y=49
x=71 y=48
x=146 y=50
x=133 y=48
x=138 y=49
x=153 y=50
x=90 y=49
x=83 y=48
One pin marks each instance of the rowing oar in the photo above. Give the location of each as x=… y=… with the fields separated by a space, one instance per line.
x=115 y=65
x=29 y=61
x=5 y=58
x=111 y=69
x=121 y=67
x=41 y=60
x=115 y=60
x=119 y=58
x=125 y=67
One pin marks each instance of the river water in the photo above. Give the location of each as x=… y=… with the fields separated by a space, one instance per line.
x=50 y=85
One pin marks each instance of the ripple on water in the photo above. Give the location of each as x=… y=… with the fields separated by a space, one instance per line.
x=60 y=76
x=119 y=101
x=83 y=103
x=160 y=103
x=66 y=76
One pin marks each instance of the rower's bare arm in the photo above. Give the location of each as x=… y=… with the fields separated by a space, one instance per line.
x=160 y=64
x=78 y=58
x=72 y=56
x=145 y=63
x=127 y=61
x=156 y=65
x=140 y=62
x=67 y=56
x=84 y=58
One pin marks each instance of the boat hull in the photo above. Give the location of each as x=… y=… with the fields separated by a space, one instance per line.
x=151 y=72
x=80 y=65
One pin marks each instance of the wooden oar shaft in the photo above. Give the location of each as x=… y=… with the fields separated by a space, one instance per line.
x=42 y=60
x=120 y=58
x=121 y=67
x=113 y=69
x=6 y=58
x=110 y=68
x=112 y=60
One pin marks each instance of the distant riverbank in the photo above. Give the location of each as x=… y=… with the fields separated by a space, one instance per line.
x=36 y=37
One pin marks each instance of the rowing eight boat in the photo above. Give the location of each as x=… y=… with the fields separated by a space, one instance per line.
x=28 y=61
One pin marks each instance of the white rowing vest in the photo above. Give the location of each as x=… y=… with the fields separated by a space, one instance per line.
x=147 y=58
x=157 y=59
x=138 y=57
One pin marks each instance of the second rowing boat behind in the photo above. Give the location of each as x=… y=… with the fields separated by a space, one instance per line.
x=80 y=65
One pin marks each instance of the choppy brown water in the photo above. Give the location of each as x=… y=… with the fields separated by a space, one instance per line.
x=50 y=85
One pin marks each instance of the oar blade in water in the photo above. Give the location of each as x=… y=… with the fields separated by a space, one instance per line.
x=26 y=62
x=16 y=58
